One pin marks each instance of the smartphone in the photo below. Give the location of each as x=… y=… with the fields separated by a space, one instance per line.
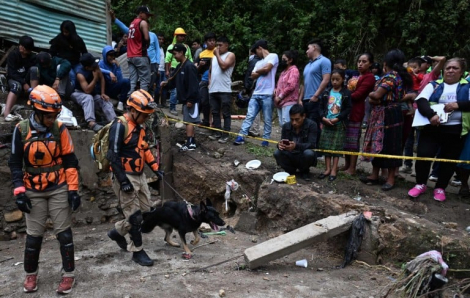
x=285 y=142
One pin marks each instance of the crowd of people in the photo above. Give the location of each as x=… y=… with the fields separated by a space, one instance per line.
x=322 y=105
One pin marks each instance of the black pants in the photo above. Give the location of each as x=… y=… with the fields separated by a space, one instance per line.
x=431 y=138
x=205 y=107
x=312 y=111
x=291 y=161
x=221 y=101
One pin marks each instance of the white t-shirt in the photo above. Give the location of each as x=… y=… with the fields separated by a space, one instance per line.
x=161 y=66
x=449 y=95
x=265 y=84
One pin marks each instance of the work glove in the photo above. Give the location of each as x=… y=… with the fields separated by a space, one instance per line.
x=23 y=202
x=74 y=200
x=160 y=173
x=126 y=186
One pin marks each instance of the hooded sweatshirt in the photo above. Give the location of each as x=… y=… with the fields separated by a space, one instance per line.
x=106 y=68
x=69 y=47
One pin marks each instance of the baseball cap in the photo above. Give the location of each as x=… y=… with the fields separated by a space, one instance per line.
x=260 y=43
x=145 y=10
x=87 y=59
x=179 y=47
x=426 y=59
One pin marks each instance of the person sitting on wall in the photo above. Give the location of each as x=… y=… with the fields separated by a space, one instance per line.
x=116 y=86
x=52 y=72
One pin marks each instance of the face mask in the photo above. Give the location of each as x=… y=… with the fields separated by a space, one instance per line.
x=283 y=64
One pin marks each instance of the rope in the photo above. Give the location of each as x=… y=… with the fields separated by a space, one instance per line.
x=365 y=154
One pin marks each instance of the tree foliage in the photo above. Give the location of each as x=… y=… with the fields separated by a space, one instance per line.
x=348 y=28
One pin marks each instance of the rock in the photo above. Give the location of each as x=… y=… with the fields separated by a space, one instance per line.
x=450 y=225
x=13 y=216
x=246 y=223
x=104 y=219
x=49 y=224
x=217 y=155
x=221 y=150
x=468 y=229
x=254 y=240
x=89 y=220
x=112 y=212
x=221 y=293
x=13 y=235
x=205 y=228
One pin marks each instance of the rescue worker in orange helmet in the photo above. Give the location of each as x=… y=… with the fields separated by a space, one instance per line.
x=127 y=155
x=44 y=171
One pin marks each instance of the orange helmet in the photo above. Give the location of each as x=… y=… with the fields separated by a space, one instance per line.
x=46 y=99
x=142 y=101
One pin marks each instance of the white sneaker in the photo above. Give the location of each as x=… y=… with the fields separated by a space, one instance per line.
x=120 y=106
x=433 y=178
x=12 y=118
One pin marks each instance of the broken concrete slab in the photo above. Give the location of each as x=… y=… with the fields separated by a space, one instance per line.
x=297 y=239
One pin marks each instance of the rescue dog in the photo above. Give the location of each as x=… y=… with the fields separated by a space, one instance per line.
x=183 y=217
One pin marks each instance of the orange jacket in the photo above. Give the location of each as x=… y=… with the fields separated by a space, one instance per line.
x=40 y=163
x=128 y=154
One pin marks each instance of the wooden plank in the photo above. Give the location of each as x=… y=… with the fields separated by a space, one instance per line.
x=298 y=239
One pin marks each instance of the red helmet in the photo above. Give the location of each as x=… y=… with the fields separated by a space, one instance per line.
x=142 y=101
x=46 y=99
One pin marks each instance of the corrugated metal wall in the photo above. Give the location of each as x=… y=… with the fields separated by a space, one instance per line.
x=41 y=20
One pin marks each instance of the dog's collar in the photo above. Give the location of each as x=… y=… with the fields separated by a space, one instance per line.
x=190 y=210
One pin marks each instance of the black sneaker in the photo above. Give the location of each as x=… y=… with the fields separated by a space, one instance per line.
x=141 y=258
x=192 y=146
x=120 y=240
x=305 y=176
x=216 y=135
x=223 y=139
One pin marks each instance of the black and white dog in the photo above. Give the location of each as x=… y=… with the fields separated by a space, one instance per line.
x=183 y=217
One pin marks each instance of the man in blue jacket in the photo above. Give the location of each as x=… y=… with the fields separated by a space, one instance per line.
x=115 y=85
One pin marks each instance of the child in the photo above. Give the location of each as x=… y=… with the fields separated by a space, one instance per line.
x=348 y=73
x=335 y=106
x=414 y=69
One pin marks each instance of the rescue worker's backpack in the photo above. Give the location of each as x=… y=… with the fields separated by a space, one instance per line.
x=100 y=144
x=55 y=133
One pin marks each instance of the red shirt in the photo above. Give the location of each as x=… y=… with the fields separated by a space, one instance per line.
x=136 y=44
x=364 y=86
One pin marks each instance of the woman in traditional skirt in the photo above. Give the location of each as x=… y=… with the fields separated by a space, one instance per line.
x=335 y=106
x=360 y=88
x=384 y=131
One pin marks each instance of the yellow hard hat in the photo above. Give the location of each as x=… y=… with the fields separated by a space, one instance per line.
x=179 y=31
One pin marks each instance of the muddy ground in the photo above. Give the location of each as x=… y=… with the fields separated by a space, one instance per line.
x=105 y=271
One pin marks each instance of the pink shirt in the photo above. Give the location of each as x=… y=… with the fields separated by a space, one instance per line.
x=288 y=86
x=432 y=76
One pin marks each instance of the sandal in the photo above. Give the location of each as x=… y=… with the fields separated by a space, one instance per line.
x=331 y=178
x=322 y=176
x=387 y=187
x=368 y=181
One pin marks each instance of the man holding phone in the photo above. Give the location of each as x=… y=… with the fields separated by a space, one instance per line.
x=295 y=148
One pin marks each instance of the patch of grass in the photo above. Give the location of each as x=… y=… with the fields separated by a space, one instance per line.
x=258 y=150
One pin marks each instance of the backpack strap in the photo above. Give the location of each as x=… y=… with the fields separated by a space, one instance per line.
x=126 y=127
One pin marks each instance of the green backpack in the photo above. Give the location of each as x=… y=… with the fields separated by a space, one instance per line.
x=100 y=145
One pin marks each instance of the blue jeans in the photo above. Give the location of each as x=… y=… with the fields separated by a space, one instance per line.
x=173 y=99
x=119 y=90
x=259 y=103
x=283 y=114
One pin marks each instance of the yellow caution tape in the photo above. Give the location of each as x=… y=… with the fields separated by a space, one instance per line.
x=330 y=151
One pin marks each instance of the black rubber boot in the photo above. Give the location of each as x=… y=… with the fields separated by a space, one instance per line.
x=120 y=240
x=31 y=253
x=141 y=258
